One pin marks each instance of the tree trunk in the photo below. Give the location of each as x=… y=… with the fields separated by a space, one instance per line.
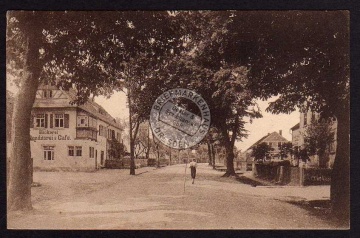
x=209 y=153
x=170 y=157
x=340 y=178
x=213 y=155
x=19 y=186
x=148 y=144
x=20 y=164
x=158 y=159
x=230 y=171
x=323 y=159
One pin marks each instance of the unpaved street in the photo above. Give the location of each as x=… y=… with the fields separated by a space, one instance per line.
x=155 y=199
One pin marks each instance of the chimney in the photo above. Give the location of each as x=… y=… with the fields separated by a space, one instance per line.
x=280 y=132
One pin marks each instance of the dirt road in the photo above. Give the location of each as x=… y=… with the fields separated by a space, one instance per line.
x=155 y=199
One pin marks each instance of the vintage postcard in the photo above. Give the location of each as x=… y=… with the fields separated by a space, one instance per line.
x=178 y=120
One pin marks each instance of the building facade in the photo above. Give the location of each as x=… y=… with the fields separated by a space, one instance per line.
x=70 y=137
x=274 y=139
x=298 y=132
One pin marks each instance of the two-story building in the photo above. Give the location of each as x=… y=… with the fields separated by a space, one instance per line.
x=67 y=136
x=274 y=139
x=298 y=132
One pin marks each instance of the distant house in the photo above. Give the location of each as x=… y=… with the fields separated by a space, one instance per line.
x=298 y=130
x=274 y=139
x=67 y=136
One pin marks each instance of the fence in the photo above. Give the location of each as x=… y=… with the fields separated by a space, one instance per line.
x=316 y=176
x=288 y=175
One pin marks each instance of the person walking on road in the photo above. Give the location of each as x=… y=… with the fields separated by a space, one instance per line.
x=193 y=166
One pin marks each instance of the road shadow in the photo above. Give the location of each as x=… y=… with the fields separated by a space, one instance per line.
x=322 y=210
x=141 y=173
x=246 y=180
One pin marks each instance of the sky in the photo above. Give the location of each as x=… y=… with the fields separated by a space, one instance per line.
x=116 y=107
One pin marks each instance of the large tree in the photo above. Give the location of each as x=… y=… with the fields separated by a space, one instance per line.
x=302 y=56
x=317 y=45
x=83 y=50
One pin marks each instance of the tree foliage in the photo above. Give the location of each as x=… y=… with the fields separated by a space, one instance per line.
x=286 y=150
x=88 y=51
x=301 y=56
x=261 y=151
x=318 y=136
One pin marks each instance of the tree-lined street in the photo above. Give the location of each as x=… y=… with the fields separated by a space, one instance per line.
x=231 y=58
x=155 y=199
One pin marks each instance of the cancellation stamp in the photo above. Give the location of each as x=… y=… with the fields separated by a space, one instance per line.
x=180 y=118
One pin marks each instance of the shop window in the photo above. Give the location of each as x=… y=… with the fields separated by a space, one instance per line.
x=78 y=150
x=49 y=152
x=40 y=120
x=71 y=151
x=59 y=120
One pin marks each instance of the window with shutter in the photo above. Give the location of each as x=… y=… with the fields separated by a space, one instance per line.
x=40 y=121
x=51 y=120
x=66 y=120
x=46 y=120
x=59 y=120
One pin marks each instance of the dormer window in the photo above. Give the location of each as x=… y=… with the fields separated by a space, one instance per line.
x=47 y=93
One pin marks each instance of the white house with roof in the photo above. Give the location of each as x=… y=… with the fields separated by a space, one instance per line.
x=67 y=136
x=274 y=139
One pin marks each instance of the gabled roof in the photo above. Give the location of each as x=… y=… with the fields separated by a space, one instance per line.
x=297 y=126
x=90 y=106
x=96 y=110
x=271 y=137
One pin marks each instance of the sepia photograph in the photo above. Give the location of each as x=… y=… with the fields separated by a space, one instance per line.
x=178 y=120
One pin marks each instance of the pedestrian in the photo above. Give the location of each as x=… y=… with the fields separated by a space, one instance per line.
x=193 y=166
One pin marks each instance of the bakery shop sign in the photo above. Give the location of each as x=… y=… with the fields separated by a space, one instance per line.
x=49 y=135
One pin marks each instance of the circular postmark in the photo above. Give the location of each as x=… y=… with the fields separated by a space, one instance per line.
x=180 y=118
